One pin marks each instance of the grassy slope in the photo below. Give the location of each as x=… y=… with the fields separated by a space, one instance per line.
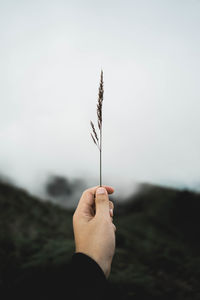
x=158 y=242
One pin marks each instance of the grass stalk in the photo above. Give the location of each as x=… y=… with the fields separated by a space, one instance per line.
x=94 y=135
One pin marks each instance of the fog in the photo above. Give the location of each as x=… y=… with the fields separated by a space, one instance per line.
x=51 y=56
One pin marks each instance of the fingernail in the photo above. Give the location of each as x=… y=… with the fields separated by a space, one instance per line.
x=111 y=212
x=101 y=191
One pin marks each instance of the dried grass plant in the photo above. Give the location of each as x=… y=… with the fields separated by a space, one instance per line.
x=98 y=140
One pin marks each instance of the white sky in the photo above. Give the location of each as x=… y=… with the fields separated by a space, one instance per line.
x=51 y=55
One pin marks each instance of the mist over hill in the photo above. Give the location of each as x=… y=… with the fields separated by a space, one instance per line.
x=157 y=244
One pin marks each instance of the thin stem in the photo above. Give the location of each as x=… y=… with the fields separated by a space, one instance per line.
x=101 y=155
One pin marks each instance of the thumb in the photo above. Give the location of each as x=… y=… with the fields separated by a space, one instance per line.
x=102 y=202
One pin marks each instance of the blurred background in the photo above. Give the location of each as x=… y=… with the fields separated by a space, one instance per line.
x=51 y=56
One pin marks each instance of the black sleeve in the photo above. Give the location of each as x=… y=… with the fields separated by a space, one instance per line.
x=87 y=279
x=81 y=279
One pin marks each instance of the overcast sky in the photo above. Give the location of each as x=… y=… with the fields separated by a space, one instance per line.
x=51 y=55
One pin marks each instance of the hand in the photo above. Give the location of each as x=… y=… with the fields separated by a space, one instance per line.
x=94 y=231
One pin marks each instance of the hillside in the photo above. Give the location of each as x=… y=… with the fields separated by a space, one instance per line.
x=158 y=243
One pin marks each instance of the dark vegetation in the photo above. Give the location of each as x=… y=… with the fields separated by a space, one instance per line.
x=157 y=254
x=60 y=186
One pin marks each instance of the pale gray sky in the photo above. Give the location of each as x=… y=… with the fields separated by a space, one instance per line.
x=51 y=55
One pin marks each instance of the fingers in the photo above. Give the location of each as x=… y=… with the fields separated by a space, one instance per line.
x=102 y=202
x=87 y=200
x=92 y=190
x=111 y=208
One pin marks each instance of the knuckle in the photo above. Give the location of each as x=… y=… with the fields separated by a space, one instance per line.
x=111 y=204
x=114 y=227
x=84 y=193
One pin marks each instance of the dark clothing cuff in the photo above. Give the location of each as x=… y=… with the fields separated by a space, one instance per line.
x=88 y=264
x=88 y=278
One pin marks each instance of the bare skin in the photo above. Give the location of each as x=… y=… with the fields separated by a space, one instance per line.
x=94 y=230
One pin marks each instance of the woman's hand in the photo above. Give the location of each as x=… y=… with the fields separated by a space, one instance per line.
x=94 y=230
